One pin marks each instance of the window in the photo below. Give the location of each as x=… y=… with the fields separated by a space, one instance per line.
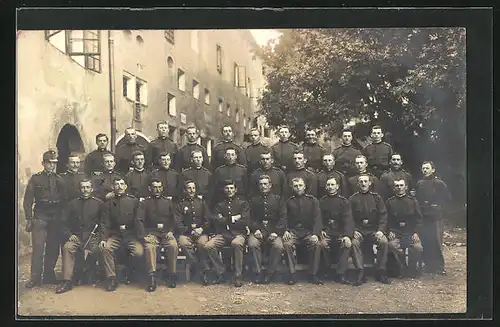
x=141 y=92
x=207 y=96
x=181 y=80
x=57 y=38
x=196 y=90
x=240 y=79
x=228 y=110
x=249 y=88
x=126 y=81
x=219 y=58
x=83 y=46
x=172 y=111
x=183 y=118
x=194 y=41
x=170 y=36
x=237 y=115
x=220 y=105
x=245 y=121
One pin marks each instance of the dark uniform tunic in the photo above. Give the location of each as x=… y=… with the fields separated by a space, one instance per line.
x=229 y=208
x=378 y=156
x=124 y=156
x=160 y=145
x=277 y=176
x=219 y=152
x=72 y=183
x=252 y=155
x=103 y=184
x=268 y=214
x=385 y=186
x=345 y=158
x=314 y=155
x=236 y=173
x=183 y=156
x=153 y=211
x=352 y=182
x=325 y=175
x=170 y=181
x=194 y=213
x=309 y=178
x=202 y=178
x=283 y=154
x=94 y=162
x=303 y=215
x=138 y=183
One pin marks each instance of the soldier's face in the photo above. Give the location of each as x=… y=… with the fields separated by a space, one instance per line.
x=299 y=187
x=311 y=137
x=190 y=189
x=74 y=163
x=138 y=161
x=266 y=160
x=227 y=133
x=119 y=186
x=230 y=156
x=102 y=142
x=361 y=164
x=165 y=161
x=400 y=187
x=364 y=183
x=197 y=159
x=284 y=134
x=328 y=162
x=299 y=160
x=49 y=166
x=156 y=188
x=396 y=161
x=427 y=170
x=254 y=137
x=264 y=185
x=131 y=135
x=163 y=130
x=229 y=190
x=192 y=135
x=86 y=189
x=346 y=138
x=109 y=163
x=377 y=134
x=331 y=186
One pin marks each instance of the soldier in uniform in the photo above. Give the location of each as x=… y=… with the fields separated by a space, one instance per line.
x=346 y=154
x=361 y=166
x=138 y=178
x=329 y=172
x=124 y=152
x=338 y=228
x=72 y=177
x=80 y=219
x=118 y=229
x=156 y=222
x=162 y=144
x=378 y=154
x=219 y=152
x=385 y=186
x=304 y=226
x=313 y=151
x=183 y=156
x=103 y=183
x=94 y=161
x=199 y=174
x=405 y=223
x=194 y=228
x=300 y=170
x=168 y=176
x=267 y=223
x=278 y=178
x=231 y=170
x=284 y=149
x=47 y=192
x=231 y=218
x=432 y=195
x=370 y=223
x=254 y=150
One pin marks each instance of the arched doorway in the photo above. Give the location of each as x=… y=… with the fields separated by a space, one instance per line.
x=68 y=141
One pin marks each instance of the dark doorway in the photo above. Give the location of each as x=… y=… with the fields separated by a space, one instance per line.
x=68 y=141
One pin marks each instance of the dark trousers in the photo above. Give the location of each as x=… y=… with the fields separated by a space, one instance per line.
x=314 y=251
x=45 y=238
x=382 y=250
x=332 y=244
x=432 y=241
x=276 y=250
x=216 y=243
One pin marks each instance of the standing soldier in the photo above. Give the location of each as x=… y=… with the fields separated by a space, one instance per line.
x=168 y=176
x=194 y=228
x=199 y=174
x=338 y=228
x=162 y=144
x=72 y=177
x=329 y=172
x=103 y=183
x=385 y=186
x=183 y=156
x=138 y=178
x=80 y=219
x=346 y=154
x=313 y=151
x=361 y=166
x=46 y=191
x=124 y=152
x=278 y=178
x=432 y=195
x=370 y=223
x=303 y=228
x=118 y=230
x=231 y=170
x=268 y=221
x=301 y=171
x=231 y=218
x=405 y=223
x=219 y=152
x=284 y=149
x=94 y=161
x=378 y=154
x=156 y=222
x=254 y=150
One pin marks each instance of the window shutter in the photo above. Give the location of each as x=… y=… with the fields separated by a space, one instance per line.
x=242 y=76
x=131 y=88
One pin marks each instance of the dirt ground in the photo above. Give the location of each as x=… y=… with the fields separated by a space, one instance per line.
x=429 y=294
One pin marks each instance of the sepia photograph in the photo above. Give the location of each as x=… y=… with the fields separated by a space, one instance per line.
x=241 y=171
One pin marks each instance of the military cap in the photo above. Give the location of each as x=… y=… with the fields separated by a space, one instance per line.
x=50 y=155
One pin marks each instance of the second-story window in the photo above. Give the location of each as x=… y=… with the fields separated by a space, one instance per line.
x=207 y=96
x=219 y=58
x=196 y=89
x=181 y=80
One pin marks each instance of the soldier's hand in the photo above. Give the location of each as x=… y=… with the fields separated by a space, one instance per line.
x=110 y=195
x=74 y=238
x=170 y=235
x=198 y=231
x=379 y=235
x=413 y=193
x=323 y=234
x=102 y=245
x=392 y=236
x=314 y=239
x=286 y=236
x=258 y=234
x=346 y=242
x=357 y=235
x=415 y=238
x=273 y=236
x=29 y=226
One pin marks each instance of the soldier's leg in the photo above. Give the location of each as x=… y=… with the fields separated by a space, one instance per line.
x=202 y=252
x=108 y=254
x=52 y=247
x=38 y=237
x=415 y=251
x=343 y=257
x=382 y=252
x=150 y=249
x=439 y=252
x=69 y=258
x=212 y=247
x=325 y=244
x=188 y=248
x=427 y=244
x=254 y=246
x=275 y=253
x=238 y=245
x=289 y=247
x=136 y=251
x=171 y=252
x=357 y=258
x=314 y=250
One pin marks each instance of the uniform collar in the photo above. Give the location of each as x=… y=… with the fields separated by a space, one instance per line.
x=377 y=142
x=400 y=196
x=102 y=150
x=139 y=171
x=48 y=173
x=346 y=145
x=71 y=173
x=256 y=144
x=191 y=143
x=84 y=199
x=332 y=195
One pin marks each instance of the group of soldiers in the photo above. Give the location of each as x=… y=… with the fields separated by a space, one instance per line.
x=142 y=199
